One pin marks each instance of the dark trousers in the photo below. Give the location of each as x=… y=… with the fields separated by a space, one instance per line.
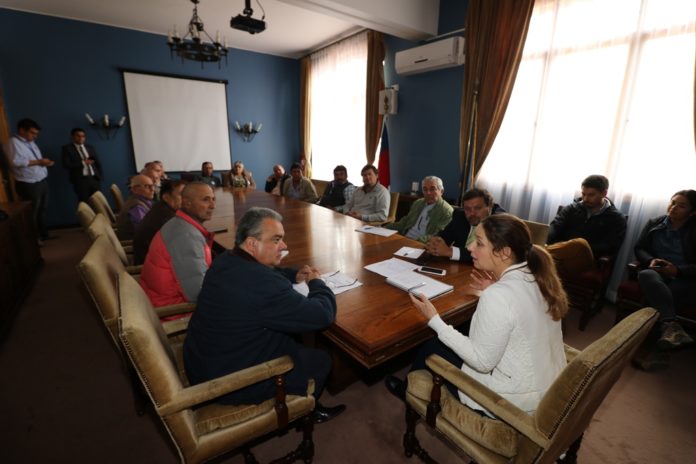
x=435 y=346
x=666 y=295
x=308 y=363
x=85 y=186
x=37 y=194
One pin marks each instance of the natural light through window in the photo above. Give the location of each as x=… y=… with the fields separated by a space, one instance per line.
x=338 y=108
x=607 y=87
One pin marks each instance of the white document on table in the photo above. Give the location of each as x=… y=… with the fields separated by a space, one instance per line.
x=391 y=267
x=337 y=281
x=376 y=231
x=409 y=252
x=415 y=283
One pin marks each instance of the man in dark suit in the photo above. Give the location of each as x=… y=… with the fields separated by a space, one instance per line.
x=82 y=164
x=477 y=204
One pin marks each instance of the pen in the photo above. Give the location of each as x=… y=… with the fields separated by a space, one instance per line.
x=422 y=284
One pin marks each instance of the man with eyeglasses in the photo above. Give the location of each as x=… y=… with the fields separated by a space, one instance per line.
x=136 y=207
x=428 y=215
x=477 y=204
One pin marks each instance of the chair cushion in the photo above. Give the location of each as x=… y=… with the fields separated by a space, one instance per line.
x=492 y=434
x=219 y=416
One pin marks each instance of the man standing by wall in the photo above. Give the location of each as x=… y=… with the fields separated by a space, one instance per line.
x=82 y=163
x=30 y=172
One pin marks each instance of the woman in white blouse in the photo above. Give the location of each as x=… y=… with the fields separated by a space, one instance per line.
x=515 y=344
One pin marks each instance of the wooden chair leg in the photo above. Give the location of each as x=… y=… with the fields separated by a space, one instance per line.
x=305 y=450
x=411 y=444
x=571 y=456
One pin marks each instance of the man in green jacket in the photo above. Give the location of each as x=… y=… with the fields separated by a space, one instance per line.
x=428 y=215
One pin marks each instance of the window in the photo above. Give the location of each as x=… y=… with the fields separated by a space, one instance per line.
x=338 y=77
x=604 y=87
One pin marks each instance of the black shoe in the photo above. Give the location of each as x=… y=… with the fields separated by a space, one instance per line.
x=323 y=414
x=396 y=387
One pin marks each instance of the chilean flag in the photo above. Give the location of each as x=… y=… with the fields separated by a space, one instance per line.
x=383 y=163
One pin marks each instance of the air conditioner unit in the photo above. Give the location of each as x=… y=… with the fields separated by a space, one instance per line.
x=436 y=55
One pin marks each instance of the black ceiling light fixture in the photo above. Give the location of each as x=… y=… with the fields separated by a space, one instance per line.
x=193 y=46
x=244 y=21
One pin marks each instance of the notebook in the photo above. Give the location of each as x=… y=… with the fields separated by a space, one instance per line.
x=416 y=283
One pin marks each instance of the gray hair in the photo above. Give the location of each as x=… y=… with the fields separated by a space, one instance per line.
x=250 y=224
x=435 y=179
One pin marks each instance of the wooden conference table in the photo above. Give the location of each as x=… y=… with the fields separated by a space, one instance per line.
x=375 y=321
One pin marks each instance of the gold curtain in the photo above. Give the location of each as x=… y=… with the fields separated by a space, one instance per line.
x=495 y=36
x=375 y=83
x=306 y=115
x=5 y=177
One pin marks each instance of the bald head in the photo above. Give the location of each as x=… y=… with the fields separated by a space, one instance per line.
x=143 y=186
x=198 y=201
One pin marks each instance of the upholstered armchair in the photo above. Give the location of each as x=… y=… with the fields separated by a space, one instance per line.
x=629 y=298
x=99 y=270
x=393 y=204
x=85 y=215
x=118 y=197
x=586 y=290
x=514 y=436
x=100 y=226
x=538 y=231
x=99 y=204
x=200 y=428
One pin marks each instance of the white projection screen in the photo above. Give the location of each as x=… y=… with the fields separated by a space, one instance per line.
x=179 y=121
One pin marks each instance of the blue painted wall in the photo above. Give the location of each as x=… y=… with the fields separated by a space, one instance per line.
x=54 y=70
x=65 y=68
x=424 y=135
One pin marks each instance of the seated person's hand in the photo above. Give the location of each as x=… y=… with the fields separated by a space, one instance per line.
x=481 y=280
x=424 y=305
x=436 y=246
x=307 y=273
x=354 y=214
x=663 y=267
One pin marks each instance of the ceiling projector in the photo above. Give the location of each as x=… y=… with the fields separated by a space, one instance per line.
x=248 y=24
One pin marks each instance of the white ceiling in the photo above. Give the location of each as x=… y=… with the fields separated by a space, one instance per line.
x=293 y=27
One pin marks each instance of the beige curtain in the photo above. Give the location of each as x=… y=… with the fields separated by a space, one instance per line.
x=375 y=83
x=495 y=35
x=306 y=115
x=5 y=177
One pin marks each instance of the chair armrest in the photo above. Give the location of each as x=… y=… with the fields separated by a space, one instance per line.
x=126 y=243
x=206 y=391
x=132 y=270
x=570 y=353
x=493 y=402
x=173 y=310
x=128 y=249
x=176 y=326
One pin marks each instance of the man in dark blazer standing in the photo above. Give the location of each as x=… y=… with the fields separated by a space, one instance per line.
x=82 y=164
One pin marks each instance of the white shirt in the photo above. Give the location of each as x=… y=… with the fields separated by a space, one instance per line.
x=513 y=347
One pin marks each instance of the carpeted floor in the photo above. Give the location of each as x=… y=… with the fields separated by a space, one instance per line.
x=64 y=397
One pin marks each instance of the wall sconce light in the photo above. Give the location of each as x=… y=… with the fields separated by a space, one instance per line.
x=104 y=125
x=247 y=131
